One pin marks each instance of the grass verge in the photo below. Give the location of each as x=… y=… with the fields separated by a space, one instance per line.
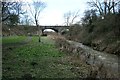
x=38 y=60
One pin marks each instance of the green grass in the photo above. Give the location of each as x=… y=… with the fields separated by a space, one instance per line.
x=13 y=39
x=39 y=60
x=0 y=40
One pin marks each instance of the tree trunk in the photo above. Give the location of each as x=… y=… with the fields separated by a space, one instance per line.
x=119 y=11
x=39 y=34
x=39 y=30
x=108 y=10
x=119 y=8
x=113 y=7
x=109 y=7
x=105 y=7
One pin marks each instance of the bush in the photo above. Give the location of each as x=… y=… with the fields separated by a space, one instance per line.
x=106 y=30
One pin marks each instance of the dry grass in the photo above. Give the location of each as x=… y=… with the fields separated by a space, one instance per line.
x=78 y=58
x=56 y=36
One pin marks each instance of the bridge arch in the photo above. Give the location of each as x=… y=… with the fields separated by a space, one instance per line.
x=56 y=30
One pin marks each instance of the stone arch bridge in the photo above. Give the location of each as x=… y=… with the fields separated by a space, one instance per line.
x=57 y=29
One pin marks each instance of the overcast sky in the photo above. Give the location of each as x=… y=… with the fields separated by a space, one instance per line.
x=55 y=9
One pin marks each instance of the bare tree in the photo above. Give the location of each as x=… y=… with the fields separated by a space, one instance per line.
x=36 y=8
x=6 y=10
x=97 y=4
x=26 y=20
x=111 y=4
x=70 y=17
x=105 y=6
x=11 y=12
x=18 y=8
x=67 y=17
x=89 y=17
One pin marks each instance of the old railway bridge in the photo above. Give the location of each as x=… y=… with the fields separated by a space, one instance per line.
x=55 y=28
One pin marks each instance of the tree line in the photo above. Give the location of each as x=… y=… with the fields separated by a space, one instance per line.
x=97 y=8
x=99 y=27
x=13 y=11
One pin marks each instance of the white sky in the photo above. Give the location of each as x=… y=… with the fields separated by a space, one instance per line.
x=55 y=9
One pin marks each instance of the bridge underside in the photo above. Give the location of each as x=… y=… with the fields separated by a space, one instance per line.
x=57 y=29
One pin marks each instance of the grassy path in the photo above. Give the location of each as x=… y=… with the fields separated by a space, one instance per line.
x=38 y=60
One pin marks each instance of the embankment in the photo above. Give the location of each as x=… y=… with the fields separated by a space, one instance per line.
x=103 y=65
